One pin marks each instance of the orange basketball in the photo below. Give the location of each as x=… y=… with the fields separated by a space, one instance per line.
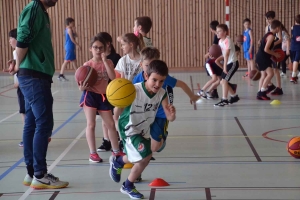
x=215 y=51
x=86 y=74
x=254 y=75
x=293 y=147
x=239 y=39
x=281 y=53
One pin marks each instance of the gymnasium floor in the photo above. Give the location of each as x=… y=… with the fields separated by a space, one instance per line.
x=235 y=152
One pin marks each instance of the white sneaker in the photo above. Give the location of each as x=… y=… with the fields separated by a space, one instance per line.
x=48 y=182
x=27 y=180
x=283 y=75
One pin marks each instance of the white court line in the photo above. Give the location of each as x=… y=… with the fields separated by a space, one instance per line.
x=9 y=116
x=18 y=111
x=28 y=192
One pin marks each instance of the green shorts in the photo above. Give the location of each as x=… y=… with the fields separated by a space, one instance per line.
x=137 y=148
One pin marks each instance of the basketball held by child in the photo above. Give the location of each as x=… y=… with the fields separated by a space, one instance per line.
x=120 y=92
x=215 y=51
x=239 y=39
x=86 y=75
x=281 y=57
x=255 y=75
x=293 y=147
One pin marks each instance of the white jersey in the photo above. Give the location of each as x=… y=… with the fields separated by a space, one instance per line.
x=147 y=41
x=15 y=76
x=137 y=118
x=225 y=45
x=129 y=67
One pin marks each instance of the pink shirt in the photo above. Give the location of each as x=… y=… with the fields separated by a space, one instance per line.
x=102 y=82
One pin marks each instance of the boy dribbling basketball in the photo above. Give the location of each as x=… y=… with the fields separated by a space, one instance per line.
x=263 y=59
x=134 y=126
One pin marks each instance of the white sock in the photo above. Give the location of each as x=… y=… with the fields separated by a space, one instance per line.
x=294 y=74
x=263 y=89
x=106 y=139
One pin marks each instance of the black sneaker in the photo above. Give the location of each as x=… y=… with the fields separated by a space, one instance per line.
x=270 y=88
x=105 y=146
x=215 y=94
x=223 y=102
x=262 y=96
x=234 y=99
x=62 y=77
x=277 y=91
x=233 y=87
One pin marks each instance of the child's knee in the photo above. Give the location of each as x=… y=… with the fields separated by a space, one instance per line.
x=155 y=145
x=91 y=125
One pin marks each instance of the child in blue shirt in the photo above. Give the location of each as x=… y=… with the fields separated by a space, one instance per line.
x=158 y=129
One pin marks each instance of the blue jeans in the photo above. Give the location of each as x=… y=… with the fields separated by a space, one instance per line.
x=38 y=122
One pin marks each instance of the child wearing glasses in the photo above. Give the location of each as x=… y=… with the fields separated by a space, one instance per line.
x=94 y=100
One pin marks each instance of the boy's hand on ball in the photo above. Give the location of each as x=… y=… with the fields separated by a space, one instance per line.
x=83 y=87
x=277 y=55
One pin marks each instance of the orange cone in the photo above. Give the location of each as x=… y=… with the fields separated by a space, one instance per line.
x=159 y=182
x=128 y=166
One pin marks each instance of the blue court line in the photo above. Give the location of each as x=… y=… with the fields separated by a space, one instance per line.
x=4 y=174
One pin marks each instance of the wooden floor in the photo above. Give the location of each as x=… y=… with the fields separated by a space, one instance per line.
x=235 y=152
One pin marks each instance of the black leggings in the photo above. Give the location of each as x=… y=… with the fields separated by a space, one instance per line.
x=283 y=63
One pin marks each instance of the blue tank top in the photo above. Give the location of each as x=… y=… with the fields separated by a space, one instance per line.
x=69 y=45
x=247 y=40
x=295 y=41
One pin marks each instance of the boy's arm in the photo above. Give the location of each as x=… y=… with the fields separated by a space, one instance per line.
x=218 y=61
x=169 y=110
x=279 y=37
x=70 y=33
x=227 y=52
x=187 y=90
x=251 y=41
x=270 y=39
x=288 y=43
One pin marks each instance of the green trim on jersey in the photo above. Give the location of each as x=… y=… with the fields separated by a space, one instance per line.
x=124 y=120
x=146 y=91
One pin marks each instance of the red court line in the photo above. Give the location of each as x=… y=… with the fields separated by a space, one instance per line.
x=6 y=90
x=54 y=195
x=195 y=106
x=266 y=133
x=198 y=85
x=208 y=194
x=152 y=194
x=248 y=140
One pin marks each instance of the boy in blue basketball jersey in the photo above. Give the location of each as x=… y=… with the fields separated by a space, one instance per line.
x=158 y=129
x=70 y=47
x=295 y=48
x=248 y=45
